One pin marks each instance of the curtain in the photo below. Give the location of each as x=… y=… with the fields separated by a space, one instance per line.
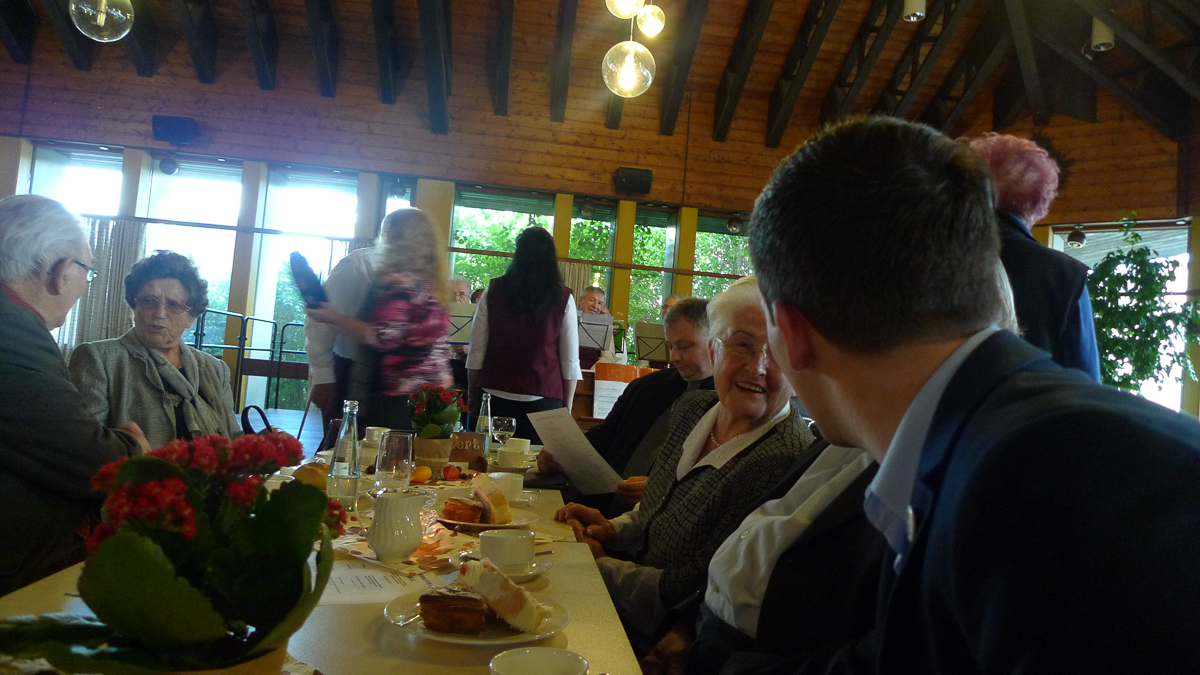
x=102 y=312
x=576 y=276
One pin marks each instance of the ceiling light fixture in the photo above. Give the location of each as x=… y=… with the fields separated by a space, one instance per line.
x=628 y=69
x=1077 y=238
x=914 y=10
x=102 y=20
x=735 y=223
x=650 y=20
x=1103 y=38
x=587 y=208
x=624 y=9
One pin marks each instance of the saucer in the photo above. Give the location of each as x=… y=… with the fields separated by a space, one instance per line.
x=493 y=465
x=524 y=500
x=538 y=567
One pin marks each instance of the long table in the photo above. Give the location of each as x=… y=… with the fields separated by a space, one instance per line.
x=358 y=640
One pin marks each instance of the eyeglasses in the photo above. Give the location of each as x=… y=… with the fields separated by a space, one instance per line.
x=92 y=272
x=149 y=303
x=744 y=347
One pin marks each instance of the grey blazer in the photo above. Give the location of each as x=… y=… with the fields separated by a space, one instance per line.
x=120 y=381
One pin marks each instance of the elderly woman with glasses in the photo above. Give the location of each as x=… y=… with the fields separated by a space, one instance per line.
x=148 y=375
x=724 y=450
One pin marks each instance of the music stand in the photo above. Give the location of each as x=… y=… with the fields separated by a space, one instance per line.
x=462 y=315
x=651 y=342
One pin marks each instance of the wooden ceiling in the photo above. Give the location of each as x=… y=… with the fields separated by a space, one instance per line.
x=763 y=73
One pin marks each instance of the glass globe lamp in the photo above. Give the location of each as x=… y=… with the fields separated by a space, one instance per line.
x=102 y=20
x=650 y=20
x=628 y=69
x=624 y=9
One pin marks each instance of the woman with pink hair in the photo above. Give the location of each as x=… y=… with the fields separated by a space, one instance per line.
x=1049 y=287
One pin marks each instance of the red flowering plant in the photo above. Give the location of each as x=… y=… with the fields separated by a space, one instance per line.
x=195 y=565
x=435 y=410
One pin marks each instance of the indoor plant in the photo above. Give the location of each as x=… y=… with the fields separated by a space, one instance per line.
x=435 y=412
x=1137 y=331
x=195 y=566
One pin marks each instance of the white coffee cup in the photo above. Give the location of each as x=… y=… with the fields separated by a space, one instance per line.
x=509 y=550
x=540 y=660
x=374 y=434
x=521 y=444
x=510 y=483
x=510 y=458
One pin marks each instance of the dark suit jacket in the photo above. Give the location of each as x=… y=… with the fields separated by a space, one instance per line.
x=1057 y=529
x=50 y=447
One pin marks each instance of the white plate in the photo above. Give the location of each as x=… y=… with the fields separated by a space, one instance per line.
x=538 y=567
x=493 y=465
x=519 y=520
x=524 y=500
x=495 y=631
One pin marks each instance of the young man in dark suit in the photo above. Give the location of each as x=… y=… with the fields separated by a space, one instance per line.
x=1037 y=522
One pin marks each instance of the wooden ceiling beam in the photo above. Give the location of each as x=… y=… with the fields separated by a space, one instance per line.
x=864 y=52
x=499 y=59
x=79 y=48
x=616 y=106
x=560 y=74
x=1177 y=19
x=434 y=48
x=262 y=38
x=917 y=62
x=1158 y=99
x=733 y=80
x=979 y=59
x=199 y=30
x=1188 y=9
x=1142 y=46
x=18 y=28
x=817 y=20
x=1035 y=95
x=387 y=48
x=142 y=40
x=322 y=33
x=673 y=85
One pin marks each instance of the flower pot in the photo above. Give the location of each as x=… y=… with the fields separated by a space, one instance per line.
x=270 y=663
x=433 y=453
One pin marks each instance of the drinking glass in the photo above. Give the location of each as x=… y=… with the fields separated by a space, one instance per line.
x=503 y=429
x=394 y=463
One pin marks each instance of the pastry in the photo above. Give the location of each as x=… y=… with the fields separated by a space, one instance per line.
x=511 y=602
x=495 y=507
x=462 y=510
x=452 y=610
x=313 y=473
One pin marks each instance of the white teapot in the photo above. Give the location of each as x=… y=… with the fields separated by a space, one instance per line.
x=395 y=532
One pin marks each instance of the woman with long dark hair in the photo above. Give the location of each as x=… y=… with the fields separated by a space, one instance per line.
x=525 y=339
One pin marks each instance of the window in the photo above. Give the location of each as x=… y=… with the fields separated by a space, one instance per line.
x=592 y=238
x=320 y=203
x=653 y=245
x=199 y=192
x=85 y=181
x=718 y=250
x=491 y=222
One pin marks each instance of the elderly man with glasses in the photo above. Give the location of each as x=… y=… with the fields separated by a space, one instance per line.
x=49 y=445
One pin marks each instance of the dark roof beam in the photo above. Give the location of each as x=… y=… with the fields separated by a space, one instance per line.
x=864 y=53
x=817 y=20
x=673 y=85
x=387 y=48
x=1142 y=46
x=499 y=58
x=914 y=66
x=322 y=32
x=560 y=74
x=142 y=40
x=733 y=80
x=1188 y=9
x=79 y=48
x=18 y=27
x=1035 y=95
x=979 y=59
x=434 y=47
x=199 y=30
x=263 y=40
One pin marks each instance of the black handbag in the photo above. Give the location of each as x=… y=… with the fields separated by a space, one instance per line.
x=267 y=427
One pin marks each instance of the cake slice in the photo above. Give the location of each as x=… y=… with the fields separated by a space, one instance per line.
x=452 y=610
x=495 y=506
x=462 y=510
x=509 y=601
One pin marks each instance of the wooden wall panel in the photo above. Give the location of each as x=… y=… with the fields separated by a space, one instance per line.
x=1122 y=162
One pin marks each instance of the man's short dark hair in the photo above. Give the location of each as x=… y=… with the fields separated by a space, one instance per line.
x=881 y=232
x=168 y=265
x=693 y=310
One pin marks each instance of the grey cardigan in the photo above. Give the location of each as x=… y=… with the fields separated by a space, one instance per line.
x=120 y=381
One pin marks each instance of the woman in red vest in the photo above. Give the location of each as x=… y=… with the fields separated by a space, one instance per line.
x=524 y=340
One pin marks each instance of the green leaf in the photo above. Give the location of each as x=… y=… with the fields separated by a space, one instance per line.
x=430 y=431
x=143 y=469
x=295 y=618
x=286 y=525
x=131 y=585
x=448 y=416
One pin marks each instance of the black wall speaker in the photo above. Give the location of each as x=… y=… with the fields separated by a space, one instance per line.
x=633 y=181
x=174 y=130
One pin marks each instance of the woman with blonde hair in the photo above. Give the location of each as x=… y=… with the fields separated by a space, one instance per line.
x=405 y=325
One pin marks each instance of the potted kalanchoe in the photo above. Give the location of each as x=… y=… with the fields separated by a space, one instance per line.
x=435 y=412
x=195 y=566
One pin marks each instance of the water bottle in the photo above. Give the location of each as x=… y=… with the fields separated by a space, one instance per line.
x=344 y=471
x=483 y=424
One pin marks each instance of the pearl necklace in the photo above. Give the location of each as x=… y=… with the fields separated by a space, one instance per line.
x=712 y=436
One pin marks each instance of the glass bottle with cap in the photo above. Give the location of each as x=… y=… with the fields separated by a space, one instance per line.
x=483 y=425
x=344 y=470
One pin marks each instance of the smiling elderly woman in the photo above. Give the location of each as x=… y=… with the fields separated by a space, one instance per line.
x=724 y=450
x=149 y=376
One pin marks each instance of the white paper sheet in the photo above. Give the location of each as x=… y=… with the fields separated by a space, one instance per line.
x=605 y=394
x=354 y=582
x=585 y=468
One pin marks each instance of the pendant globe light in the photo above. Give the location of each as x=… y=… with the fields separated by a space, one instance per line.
x=624 y=9
x=628 y=69
x=102 y=20
x=650 y=20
